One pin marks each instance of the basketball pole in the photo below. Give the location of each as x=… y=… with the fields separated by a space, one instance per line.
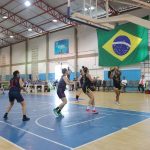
x=84 y=7
x=96 y=8
x=68 y=9
x=90 y=8
x=107 y=9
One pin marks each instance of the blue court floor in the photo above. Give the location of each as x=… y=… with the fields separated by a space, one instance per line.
x=46 y=132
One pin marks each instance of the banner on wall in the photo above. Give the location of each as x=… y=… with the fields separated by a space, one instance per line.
x=126 y=44
x=61 y=47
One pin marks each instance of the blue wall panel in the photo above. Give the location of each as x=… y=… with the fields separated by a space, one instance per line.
x=129 y=74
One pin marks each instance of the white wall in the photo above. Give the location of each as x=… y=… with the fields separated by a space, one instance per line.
x=5 y=56
x=60 y=35
x=18 y=53
x=87 y=40
x=42 y=67
x=29 y=68
x=5 y=70
x=39 y=44
x=21 y=68
x=70 y=63
x=92 y=64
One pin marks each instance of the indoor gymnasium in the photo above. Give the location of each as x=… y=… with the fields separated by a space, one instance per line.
x=74 y=75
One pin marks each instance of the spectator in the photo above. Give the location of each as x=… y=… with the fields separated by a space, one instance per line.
x=141 y=84
x=1 y=88
x=69 y=73
x=124 y=84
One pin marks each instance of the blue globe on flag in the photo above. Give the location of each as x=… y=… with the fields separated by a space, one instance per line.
x=121 y=45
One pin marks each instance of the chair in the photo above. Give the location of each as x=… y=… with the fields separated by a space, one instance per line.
x=98 y=84
x=104 y=85
x=109 y=85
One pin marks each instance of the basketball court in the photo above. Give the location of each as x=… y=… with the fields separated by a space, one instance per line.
x=39 y=38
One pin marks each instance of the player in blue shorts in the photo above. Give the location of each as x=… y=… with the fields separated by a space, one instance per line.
x=61 y=91
x=16 y=84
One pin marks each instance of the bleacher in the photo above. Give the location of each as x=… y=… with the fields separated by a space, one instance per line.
x=107 y=85
x=36 y=86
x=5 y=85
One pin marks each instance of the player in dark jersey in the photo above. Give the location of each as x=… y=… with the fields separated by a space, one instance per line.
x=86 y=87
x=81 y=83
x=61 y=92
x=115 y=75
x=16 y=84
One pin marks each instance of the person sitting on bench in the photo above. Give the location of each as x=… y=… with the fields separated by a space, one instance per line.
x=141 y=84
x=124 y=84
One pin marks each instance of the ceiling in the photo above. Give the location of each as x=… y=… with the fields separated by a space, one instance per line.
x=16 y=19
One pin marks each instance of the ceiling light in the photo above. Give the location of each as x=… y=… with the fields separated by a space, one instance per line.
x=92 y=8
x=11 y=36
x=54 y=20
x=27 y=3
x=29 y=29
x=85 y=9
x=4 y=17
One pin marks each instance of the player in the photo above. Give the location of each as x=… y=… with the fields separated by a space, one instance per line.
x=61 y=92
x=16 y=84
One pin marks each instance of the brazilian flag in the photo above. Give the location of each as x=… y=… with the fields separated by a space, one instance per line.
x=126 y=44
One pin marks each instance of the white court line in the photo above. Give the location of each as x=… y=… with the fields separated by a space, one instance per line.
x=102 y=107
x=115 y=111
x=83 y=122
x=41 y=137
x=37 y=123
x=11 y=143
x=108 y=135
x=30 y=116
x=126 y=113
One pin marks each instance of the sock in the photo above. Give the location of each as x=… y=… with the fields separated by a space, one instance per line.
x=24 y=116
x=77 y=97
x=57 y=108
x=93 y=107
x=5 y=114
x=88 y=107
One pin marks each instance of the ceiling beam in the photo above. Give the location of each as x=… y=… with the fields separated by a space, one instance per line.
x=8 y=3
x=142 y=3
x=11 y=33
x=88 y=19
x=19 y=23
x=28 y=20
x=4 y=42
x=128 y=18
x=17 y=19
x=38 y=16
x=112 y=11
x=53 y=12
x=130 y=4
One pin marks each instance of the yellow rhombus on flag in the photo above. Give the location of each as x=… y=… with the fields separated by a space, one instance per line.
x=134 y=42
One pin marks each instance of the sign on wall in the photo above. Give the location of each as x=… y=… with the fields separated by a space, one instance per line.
x=61 y=47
